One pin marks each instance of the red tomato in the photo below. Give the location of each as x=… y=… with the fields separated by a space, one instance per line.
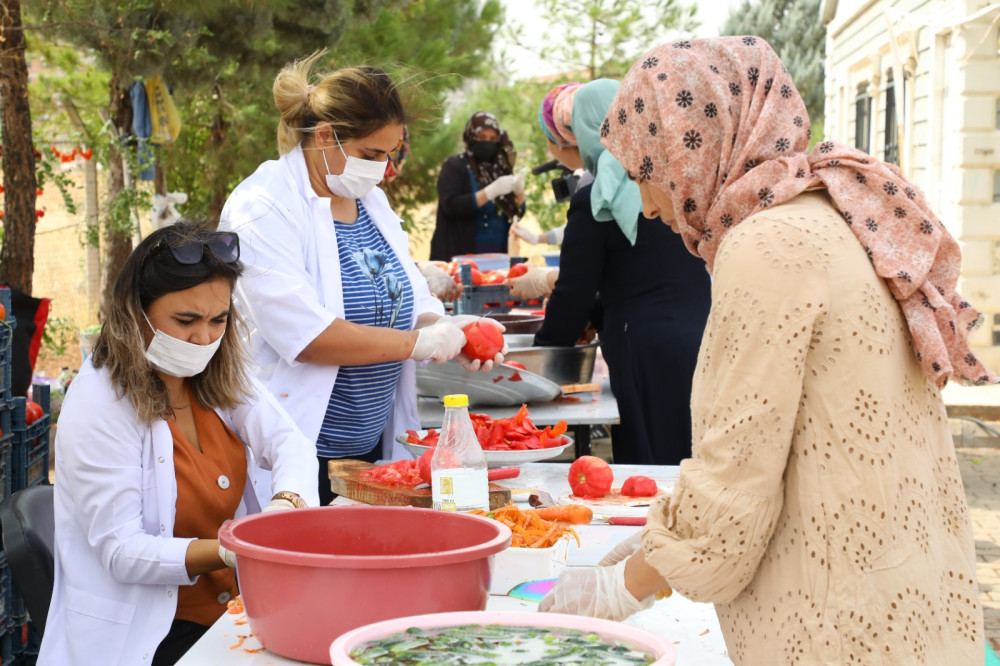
x=493 y=277
x=3 y=312
x=515 y=364
x=639 y=486
x=477 y=278
x=399 y=473
x=424 y=465
x=482 y=340
x=32 y=412
x=517 y=270
x=589 y=476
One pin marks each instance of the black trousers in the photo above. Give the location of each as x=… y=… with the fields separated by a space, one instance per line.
x=325 y=494
x=182 y=635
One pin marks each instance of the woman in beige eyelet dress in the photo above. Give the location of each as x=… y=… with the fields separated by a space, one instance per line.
x=822 y=510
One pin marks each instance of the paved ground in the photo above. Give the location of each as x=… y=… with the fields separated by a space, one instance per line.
x=979 y=459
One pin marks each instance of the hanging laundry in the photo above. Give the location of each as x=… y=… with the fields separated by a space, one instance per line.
x=163 y=114
x=142 y=128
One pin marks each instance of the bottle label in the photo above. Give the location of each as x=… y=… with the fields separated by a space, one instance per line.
x=460 y=489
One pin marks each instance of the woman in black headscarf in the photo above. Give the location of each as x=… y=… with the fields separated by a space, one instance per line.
x=478 y=194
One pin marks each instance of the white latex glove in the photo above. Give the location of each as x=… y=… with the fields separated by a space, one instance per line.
x=527 y=235
x=501 y=186
x=438 y=342
x=519 y=182
x=554 y=236
x=228 y=556
x=474 y=364
x=597 y=592
x=623 y=550
x=533 y=284
x=441 y=284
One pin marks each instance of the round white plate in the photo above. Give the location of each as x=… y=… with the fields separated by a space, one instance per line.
x=615 y=504
x=498 y=458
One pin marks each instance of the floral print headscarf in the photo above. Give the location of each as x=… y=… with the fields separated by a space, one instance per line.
x=486 y=172
x=718 y=125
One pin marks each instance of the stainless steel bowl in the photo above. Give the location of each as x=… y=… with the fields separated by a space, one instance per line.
x=518 y=323
x=563 y=365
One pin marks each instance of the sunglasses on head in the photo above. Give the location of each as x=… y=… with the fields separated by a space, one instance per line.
x=224 y=245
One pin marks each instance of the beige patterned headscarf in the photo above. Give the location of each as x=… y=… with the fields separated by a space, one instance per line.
x=718 y=125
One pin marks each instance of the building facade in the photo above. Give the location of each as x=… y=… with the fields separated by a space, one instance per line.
x=917 y=83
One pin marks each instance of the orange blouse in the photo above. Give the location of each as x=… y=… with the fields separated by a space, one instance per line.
x=210 y=486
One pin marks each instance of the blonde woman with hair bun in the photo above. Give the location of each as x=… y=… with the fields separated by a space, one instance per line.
x=339 y=308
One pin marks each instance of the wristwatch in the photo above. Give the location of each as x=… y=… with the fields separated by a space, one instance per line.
x=289 y=496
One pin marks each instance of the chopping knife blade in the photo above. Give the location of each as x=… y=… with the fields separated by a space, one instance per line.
x=540 y=499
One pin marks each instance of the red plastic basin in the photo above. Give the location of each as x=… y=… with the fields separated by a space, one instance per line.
x=309 y=575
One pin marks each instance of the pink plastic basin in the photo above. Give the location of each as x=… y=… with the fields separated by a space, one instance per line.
x=665 y=653
x=307 y=576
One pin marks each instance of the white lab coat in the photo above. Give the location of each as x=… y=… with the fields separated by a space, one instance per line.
x=291 y=290
x=117 y=565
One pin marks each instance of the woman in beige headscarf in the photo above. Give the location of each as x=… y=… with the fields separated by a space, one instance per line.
x=822 y=510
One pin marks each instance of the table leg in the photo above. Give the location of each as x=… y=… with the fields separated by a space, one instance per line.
x=581 y=439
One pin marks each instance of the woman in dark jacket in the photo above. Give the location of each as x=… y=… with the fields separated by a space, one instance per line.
x=478 y=194
x=654 y=295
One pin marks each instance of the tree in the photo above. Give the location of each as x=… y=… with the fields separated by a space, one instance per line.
x=456 y=38
x=602 y=38
x=17 y=258
x=794 y=30
x=133 y=39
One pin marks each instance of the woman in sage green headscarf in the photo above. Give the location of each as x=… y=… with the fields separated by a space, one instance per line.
x=653 y=295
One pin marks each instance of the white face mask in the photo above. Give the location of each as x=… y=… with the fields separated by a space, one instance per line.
x=178 y=358
x=359 y=176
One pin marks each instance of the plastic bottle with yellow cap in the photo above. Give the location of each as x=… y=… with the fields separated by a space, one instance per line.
x=458 y=467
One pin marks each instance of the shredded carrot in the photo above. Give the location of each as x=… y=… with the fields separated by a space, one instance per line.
x=235 y=605
x=528 y=528
x=240 y=620
x=253 y=650
x=239 y=642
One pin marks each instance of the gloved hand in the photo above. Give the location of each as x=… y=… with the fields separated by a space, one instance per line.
x=438 y=342
x=622 y=550
x=228 y=556
x=441 y=284
x=501 y=186
x=598 y=592
x=533 y=284
x=519 y=182
x=527 y=235
x=472 y=364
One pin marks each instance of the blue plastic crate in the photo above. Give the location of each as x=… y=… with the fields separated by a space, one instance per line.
x=6 y=345
x=29 y=459
x=485 y=299
x=5 y=595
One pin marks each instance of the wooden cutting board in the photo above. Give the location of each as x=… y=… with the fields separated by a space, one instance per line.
x=345 y=479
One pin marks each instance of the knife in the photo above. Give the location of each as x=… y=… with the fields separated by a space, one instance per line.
x=637 y=521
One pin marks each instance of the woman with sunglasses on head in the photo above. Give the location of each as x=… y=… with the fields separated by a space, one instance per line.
x=338 y=305
x=822 y=510
x=161 y=439
x=479 y=195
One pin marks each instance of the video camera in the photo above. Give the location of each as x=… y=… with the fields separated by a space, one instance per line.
x=565 y=185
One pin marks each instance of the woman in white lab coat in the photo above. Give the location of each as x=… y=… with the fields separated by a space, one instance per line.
x=160 y=441
x=338 y=306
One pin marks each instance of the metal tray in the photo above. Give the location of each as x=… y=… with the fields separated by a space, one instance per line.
x=493 y=388
x=562 y=365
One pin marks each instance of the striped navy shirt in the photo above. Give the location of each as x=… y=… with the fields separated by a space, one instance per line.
x=376 y=292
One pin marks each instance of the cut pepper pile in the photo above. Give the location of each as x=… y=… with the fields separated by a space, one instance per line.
x=517 y=433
